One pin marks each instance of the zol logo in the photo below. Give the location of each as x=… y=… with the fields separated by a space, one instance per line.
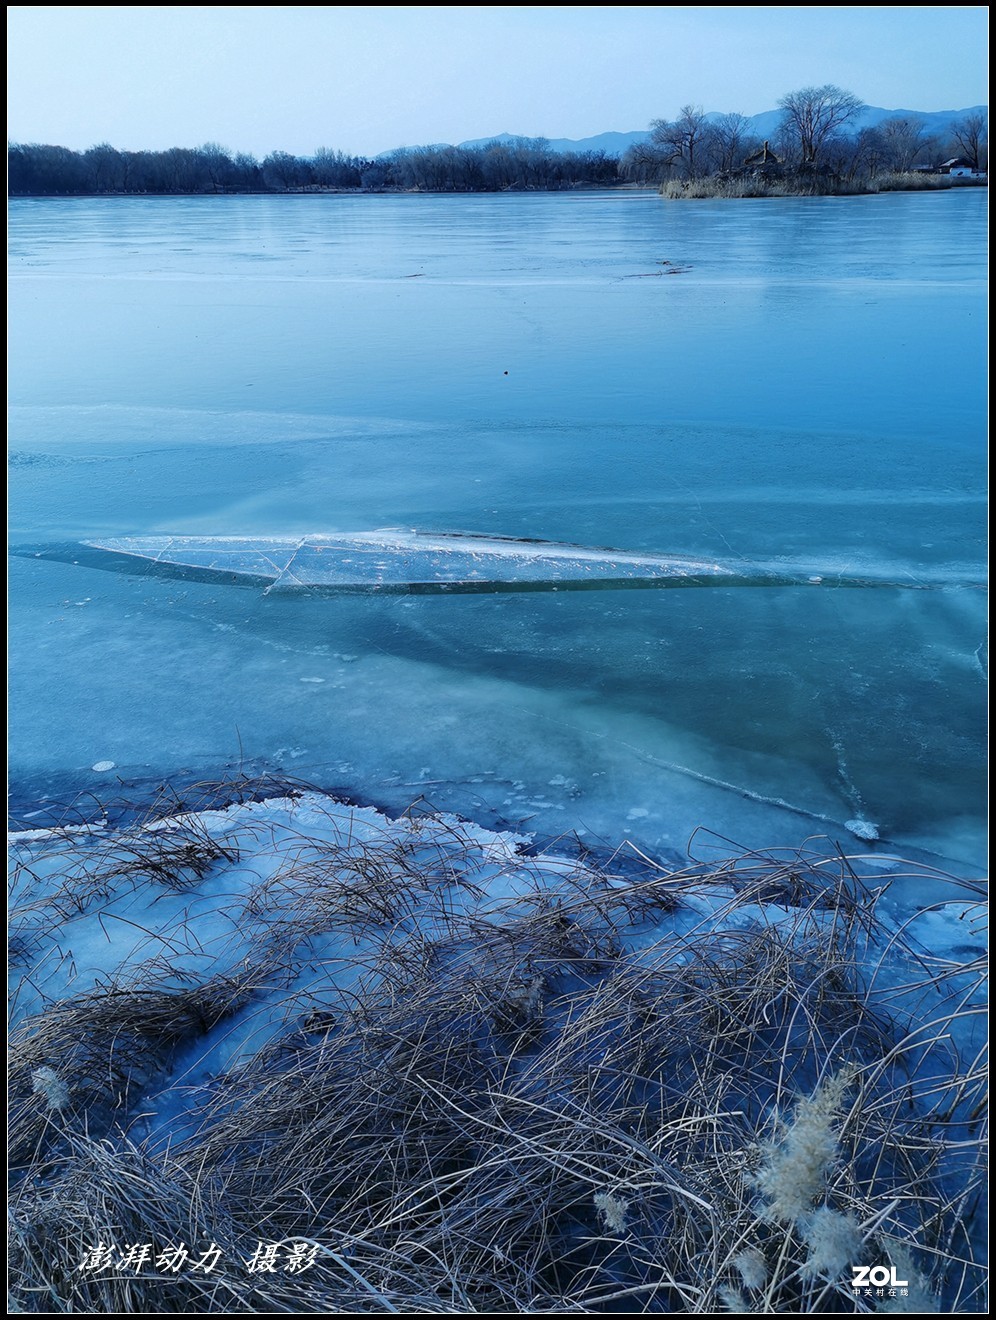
x=876 y=1276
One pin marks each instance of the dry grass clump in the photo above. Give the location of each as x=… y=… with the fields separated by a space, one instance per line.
x=81 y=1064
x=566 y=1103
x=810 y=185
x=102 y=1205
x=919 y=181
x=759 y=185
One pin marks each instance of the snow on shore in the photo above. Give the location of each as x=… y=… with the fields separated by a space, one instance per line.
x=166 y=975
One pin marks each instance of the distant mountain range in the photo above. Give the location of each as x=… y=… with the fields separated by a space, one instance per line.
x=764 y=125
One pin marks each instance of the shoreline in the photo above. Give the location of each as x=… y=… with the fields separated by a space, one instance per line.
x=686 y=190
x=316 y=191
x=118 y=797
x=299 y=1023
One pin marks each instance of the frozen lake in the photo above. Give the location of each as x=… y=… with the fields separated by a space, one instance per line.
x=800 y=379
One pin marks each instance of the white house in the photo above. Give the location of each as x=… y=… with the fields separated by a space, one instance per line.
x=959 y=168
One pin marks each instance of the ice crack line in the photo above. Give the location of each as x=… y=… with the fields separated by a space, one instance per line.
x=673 y=766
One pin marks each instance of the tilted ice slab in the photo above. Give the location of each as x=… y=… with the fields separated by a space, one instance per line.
x=396 y=560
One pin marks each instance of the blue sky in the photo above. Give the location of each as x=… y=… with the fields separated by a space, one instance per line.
x=366 y=78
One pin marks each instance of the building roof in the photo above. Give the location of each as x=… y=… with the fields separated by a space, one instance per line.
x=763 y=157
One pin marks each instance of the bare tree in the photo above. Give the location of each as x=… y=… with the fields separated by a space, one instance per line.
x=282 y=171
x=246 y=171
x=732 y=140
x=812 y=116
x=217 y=163
x=376 y=174
x=684 y=137
x=334 y=169
x=971 y=133
x=903 y=139
x=104 y=166
x=647 y=162
x=181 y=170
x=860 y=156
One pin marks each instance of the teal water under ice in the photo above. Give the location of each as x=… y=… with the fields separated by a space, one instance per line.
x=797 y=379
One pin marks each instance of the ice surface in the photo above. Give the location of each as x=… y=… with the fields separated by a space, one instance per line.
x=768 y=411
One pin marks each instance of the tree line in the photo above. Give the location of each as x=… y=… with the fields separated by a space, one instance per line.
x=522 y=163
x=813 y=134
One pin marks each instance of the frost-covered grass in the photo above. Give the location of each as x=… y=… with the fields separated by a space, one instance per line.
x=454 y=1074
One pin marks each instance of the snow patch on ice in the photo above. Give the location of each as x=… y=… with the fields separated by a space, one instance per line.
x=862 y=829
